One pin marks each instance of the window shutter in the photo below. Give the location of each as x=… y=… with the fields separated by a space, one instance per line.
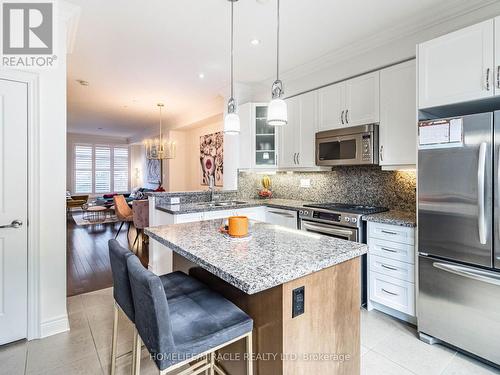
x=120 y=168
x=83 y=169
x=102 y=169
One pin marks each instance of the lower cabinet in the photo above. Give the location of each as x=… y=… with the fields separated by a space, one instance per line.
x=391 y=270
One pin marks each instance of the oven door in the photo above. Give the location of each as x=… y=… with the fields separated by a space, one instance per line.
x=349 y=234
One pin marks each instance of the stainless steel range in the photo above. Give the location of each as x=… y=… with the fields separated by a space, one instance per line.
x=342 y=221
x=337 y=219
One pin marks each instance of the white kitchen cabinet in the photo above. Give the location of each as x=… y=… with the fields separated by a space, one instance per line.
x=391 y=270
x=496 y=68
x=297 y=138
x=362 y=103
x=353 y=102
x=331 y=100
x=457 y=67
x=398 y=129
x=279 y=216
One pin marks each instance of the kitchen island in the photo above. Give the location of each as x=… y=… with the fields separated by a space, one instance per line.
x=260 y=274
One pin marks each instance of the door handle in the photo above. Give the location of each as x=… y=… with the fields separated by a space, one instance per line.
x=388 y=267
x=381 y=153
x=479 y=275
x=298 y=158
x=342 y=117
x=488 y=79
x=346 y=118
x=481 y=220
x=294 y=158
x=15 y=224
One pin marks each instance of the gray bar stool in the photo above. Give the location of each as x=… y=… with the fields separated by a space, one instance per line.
x=174 y=284
x=181 y=327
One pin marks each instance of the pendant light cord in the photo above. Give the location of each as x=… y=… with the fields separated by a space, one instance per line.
x=232 y=48
x=278 y=43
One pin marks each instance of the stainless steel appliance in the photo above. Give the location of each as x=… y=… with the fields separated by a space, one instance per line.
x=342 y=221
x=459 y=233
x=357 y=145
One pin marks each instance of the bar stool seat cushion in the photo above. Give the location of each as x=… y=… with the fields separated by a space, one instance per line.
x=203 y=319
x=178 y=284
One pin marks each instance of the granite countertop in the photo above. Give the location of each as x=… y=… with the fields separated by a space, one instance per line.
x=187 y=208
x=271 y=256
x=394 y=217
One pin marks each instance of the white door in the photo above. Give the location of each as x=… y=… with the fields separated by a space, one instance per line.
x=288 y=134
x=13 y=206
x=398 y=115
x=362 y=100
x=308 y=128
x=456 y=67
x=331 y=106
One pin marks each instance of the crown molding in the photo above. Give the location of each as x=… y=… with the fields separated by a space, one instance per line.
x=441 y=13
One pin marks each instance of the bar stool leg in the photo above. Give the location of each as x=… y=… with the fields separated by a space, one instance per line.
x=249 y=354
x=212 y=363
x=136 y=355
x=115 y=338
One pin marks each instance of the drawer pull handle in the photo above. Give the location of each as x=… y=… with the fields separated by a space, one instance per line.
x=389 y=268
x=388 y=250
x=388 y=232
x=390 y=293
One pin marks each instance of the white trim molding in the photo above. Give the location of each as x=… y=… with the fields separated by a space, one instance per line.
x=54 y=326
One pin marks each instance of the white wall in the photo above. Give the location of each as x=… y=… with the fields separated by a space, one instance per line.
x=74 y=138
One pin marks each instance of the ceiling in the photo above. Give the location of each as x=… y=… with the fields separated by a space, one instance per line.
x=136 y=53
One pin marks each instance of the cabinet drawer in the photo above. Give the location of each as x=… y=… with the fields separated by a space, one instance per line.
x=393 y=293
x=392 y=250
x=399 y=270
x=393 y=233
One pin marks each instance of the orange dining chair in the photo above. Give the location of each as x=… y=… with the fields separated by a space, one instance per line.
x=123 y=212
x=140 y=209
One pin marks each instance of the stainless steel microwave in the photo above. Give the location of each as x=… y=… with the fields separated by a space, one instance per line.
x=357 y=145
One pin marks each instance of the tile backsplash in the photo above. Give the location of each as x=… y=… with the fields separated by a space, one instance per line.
x=361 y=185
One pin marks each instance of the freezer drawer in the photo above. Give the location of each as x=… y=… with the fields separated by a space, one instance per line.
x=460 y=305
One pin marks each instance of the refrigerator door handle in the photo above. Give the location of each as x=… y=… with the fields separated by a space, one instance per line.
x=475 y=274
x=481 y=168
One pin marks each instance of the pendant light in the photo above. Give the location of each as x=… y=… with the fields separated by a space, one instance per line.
x=232 y=120
x=277 y=110
x=160 y=148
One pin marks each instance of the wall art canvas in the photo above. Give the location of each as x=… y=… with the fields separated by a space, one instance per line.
x=153 y=171
x=212 y=158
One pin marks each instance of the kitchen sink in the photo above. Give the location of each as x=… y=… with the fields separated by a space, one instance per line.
x=222 y=203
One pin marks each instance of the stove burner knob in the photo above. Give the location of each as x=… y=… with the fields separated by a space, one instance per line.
x=301 y=212
x=354 y=220
x=306 y=212
x=347 y=219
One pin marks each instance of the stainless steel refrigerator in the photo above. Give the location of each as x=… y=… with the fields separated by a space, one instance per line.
x=459 y=233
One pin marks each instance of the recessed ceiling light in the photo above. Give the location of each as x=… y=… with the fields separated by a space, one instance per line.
x=255 y=42
x=82 y=82
x=201 y=75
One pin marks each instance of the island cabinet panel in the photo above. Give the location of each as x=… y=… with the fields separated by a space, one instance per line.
x=282 y=345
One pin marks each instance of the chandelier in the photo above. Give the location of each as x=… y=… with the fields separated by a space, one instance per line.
x=160 y=148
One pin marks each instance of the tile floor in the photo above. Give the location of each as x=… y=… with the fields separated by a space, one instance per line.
x=388 y=347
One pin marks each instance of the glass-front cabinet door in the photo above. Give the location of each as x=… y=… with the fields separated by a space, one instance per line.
x=266 y=153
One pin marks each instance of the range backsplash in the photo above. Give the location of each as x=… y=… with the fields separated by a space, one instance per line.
x=361 y=185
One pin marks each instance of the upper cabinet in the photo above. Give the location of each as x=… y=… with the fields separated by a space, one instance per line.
x=349 y=103
x=258 y=142
x=297 y=138
x=331 y=102
x=362 y=102
x=459 y=66
x=398 y=129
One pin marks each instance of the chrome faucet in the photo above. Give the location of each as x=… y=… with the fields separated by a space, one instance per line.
x=211 y=186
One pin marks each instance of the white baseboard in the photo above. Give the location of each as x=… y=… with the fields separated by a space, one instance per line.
x=54 y=326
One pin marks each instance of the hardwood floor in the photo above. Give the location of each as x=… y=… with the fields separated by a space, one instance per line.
x=87 y=262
